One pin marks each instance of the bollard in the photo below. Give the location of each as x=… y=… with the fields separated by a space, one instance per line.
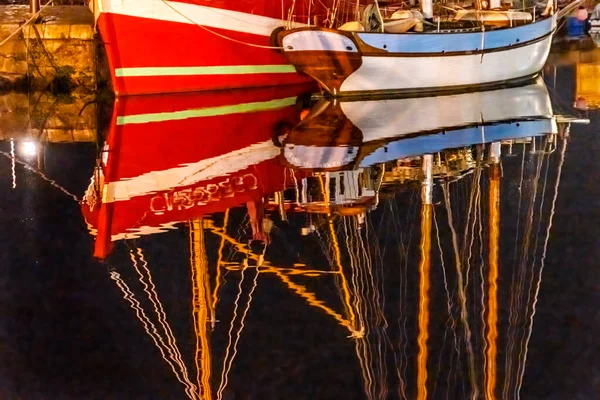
x=34 y=6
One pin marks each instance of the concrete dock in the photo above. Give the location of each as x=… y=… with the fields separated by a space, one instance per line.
x=58 y=50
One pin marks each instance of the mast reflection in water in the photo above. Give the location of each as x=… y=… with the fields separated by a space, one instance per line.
x=259 y=244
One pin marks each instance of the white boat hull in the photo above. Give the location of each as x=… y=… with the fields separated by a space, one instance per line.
x=359 y=63
x=417 y=124
x=430 y=73
x=385 y=119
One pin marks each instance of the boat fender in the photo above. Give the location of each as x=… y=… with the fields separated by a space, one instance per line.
x=280 y=133
x=274 y=38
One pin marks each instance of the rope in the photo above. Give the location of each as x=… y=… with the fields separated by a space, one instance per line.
x=219 y=34
x=40 y=174
x=33 y=17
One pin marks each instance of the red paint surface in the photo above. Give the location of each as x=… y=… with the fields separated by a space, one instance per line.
x=135 y=149
x=133 y=42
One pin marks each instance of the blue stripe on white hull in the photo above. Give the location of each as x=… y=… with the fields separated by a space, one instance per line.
x=429 y=144
x=453 y=42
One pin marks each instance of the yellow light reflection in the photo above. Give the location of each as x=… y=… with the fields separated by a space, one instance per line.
x=492 y=320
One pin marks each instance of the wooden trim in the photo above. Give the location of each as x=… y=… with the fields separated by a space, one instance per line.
x=434 y=91
x=367 y=51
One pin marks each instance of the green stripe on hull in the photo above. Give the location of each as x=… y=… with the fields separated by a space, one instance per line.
x=206 y=112
x=218 y=70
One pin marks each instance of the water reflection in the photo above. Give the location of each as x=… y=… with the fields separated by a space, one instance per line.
x=176 y=158
x=583 y=61
x=416 y=230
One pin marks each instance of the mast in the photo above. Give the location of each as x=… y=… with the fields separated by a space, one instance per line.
x=200 y=310
x=427 y=8
x=494 y=236
x=424 y=276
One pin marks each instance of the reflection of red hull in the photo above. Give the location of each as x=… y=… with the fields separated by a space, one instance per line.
x=176 y=158
x=192 y=45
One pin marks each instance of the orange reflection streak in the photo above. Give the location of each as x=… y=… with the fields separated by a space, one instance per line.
x=299 y=289
x=424 y=284
x=200 y=301
x=218 y=279
x=338 y=257
x=344 y=283
x=492 y=320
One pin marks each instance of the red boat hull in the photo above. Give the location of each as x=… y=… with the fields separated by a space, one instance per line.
x=149 y=55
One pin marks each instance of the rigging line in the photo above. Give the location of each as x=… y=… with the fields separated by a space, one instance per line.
x=344 y=283
x=380 y=278
x=147 y=325
x=521 y=368
x=477 y=222
x=511 y=337
x=526 y=245
x=448 y=296
x=219 y=279
x=472 y=198
x=364 y=307
x=378 y=306
x=543 y=260
x=541 y=210
x=12 y=164
x=461 y=295
x=150 y=290
x=359 y=345
x=225 y=372
x=221 y=35
x=412 y=210
x=400 y=360
x=242 y=319
x=40 y=174
x=26 y=23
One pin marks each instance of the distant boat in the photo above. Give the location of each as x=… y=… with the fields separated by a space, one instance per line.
x=341 y=135
x=156 y=46
x=359 y=62
x=170 y=159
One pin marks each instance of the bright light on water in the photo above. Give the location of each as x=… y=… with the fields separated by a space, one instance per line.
x=28 y=148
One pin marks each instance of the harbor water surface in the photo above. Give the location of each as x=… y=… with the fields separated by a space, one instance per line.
x=174 y=251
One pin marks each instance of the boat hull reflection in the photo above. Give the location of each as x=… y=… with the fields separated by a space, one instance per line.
x=173 y=158
x=350 y=134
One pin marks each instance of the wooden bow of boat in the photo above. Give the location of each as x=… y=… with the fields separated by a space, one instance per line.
x=328 y=56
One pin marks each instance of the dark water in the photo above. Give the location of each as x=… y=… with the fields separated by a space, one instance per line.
x=372 y=294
